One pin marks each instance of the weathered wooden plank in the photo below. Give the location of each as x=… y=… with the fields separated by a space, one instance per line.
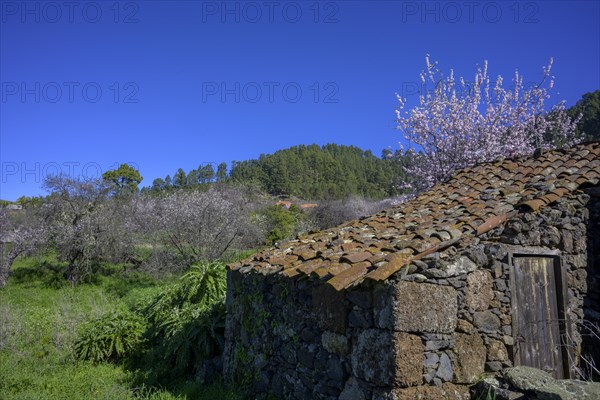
x=538 y=326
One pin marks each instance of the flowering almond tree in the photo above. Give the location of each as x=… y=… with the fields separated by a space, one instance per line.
x=458 y=124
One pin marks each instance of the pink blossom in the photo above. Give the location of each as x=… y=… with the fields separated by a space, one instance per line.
x=457 y=124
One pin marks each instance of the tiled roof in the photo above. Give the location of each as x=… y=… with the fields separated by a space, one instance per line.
x=473 y=202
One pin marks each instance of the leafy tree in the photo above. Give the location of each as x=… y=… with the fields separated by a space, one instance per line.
x=589 y=109
x=168 y=182
x=282 y=223
x=26 y=201
x=180 y=179
x=206 y=173
x=192 y=178
x=158 y=184
x=457 y=125
x=221 y=174
x=124 y=180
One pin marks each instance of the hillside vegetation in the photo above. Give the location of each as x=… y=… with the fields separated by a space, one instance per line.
x=122 y=335
x=328 y=172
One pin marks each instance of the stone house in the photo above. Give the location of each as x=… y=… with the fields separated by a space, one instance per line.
x=497 y=267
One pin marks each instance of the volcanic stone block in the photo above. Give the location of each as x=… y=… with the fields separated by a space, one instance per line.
x=387 y=358
x=479 y=293
x=468 y=358
x=487 y=321
x=497 y=351
x=416 y=307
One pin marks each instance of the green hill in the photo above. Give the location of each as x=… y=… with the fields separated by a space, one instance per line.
x=328 y=172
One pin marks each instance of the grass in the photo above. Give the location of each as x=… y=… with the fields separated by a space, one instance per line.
x=39 y=318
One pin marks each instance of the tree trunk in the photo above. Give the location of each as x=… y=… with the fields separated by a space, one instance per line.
x=73 y=274
x=6 y=262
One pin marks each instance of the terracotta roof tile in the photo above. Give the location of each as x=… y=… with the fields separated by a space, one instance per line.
x=475 y=201
x=356 y=257
x=349 y=276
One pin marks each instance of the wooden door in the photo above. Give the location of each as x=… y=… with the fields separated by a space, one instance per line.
x=538 y=310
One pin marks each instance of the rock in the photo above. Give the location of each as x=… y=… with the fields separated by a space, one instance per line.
x=457 y=283
x=487 y=321
x=387 y=358
x=416 y=307
x=414 y=278
x=464 y=326
x=500 y=284
x=592 y=390
x=359 y=318
x=428 y=377
x=328 y=305
x=308 y=334
x=352 y=391
x=479 y=293
x=544 y=387
x=526 y=378
x=434 y=273
x=434 y=345
x=306 y=357
x=490 y=388
x=421 y=265
x=288 y=353
x=335 y=370
x=508 y=340
x=335 y=343
x=567 y=241
x=462 y=265
x=497 y=351
x=260 y=361
x=361 y=298
x=477 y=255
x=431 y=360
x=301 y=392
x=551 y=237
x=495 y=252
x=493 y=366
x=468 y=357
x=444 y=371
x=580 y=280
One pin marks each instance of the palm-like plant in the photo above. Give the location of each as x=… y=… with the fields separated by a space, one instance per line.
x=110 y=337
x=187 y=320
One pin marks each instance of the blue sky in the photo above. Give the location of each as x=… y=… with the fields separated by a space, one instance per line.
x=87 y=85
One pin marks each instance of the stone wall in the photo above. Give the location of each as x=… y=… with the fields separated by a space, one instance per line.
x=565 y=228
x=429 y=331
x=591 y=290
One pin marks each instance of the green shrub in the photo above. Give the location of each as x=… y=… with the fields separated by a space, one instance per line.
x=282 y=223
x=202 y=286
x=187 y=320
x=110 y=337
x=192 y=335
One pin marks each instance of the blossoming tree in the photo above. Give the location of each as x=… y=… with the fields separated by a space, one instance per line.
x=458 y=124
